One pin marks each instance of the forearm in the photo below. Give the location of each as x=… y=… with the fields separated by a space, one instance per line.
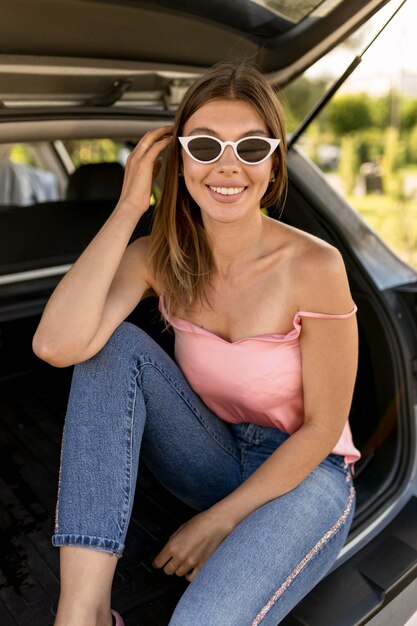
x=286 y=468
x=75 y=309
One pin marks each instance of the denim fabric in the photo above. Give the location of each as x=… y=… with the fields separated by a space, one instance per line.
x=132 y=397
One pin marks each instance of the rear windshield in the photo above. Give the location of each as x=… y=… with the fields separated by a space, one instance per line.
x=297 y=10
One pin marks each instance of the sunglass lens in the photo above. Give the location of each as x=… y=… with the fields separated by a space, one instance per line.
x=253 y=150
x=204 y=148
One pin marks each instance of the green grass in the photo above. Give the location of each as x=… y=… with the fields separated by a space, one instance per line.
x=394 y=220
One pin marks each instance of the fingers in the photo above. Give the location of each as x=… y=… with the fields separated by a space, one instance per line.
x=178 y=564
x=163 y=558
x=191 y=575
x=170 y=568
x=153 y=142
x=142 y=166
x=186 y=569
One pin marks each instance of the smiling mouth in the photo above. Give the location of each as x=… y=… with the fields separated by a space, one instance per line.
x=227 y=191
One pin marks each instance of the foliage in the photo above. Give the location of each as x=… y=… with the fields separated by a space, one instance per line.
x=412 y=145
x=93 y=150
x=395 y=220
x=380 y=131
x=298 y=99
x=370 y=143
x=22 y=153
x=349 y=163
x=352 y=112
x=390 y=160
x=380 y=109
x=409 y=113
x=349 y=113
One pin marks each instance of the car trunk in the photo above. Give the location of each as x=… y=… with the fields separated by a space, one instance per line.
x=33 y=398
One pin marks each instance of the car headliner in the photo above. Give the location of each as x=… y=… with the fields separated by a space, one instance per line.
x=72 y=50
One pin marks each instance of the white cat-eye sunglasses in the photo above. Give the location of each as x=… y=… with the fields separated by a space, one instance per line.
x=249 y=150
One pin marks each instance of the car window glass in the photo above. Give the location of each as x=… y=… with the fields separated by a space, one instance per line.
x=84 y=151
x=98 y=168
x=296 y=10
x=24 y=180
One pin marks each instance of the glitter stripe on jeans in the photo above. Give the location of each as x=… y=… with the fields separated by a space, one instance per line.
x=59 y=485
x=319 y=545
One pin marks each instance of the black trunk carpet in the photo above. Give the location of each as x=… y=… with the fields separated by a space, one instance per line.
x=32 y=409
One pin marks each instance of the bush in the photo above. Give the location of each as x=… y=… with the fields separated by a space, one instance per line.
x=298 y=99
x=381 y=110
x=411 y=145
x=349 y=163
x=349 y=113
x=370 y=144
x=409 y=113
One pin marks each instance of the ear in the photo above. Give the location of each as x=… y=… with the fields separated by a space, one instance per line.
x=274 y=169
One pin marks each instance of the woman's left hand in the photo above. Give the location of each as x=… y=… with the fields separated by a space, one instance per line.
x=191 y=545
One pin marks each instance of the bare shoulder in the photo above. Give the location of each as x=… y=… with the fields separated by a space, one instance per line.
x=316 y=272
x=321 y=279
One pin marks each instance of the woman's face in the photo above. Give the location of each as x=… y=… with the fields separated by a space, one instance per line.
x=227 y=189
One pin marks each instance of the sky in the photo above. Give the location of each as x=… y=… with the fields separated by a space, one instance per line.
x=390 y=62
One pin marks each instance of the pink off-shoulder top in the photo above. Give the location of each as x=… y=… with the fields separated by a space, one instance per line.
x=257 y=379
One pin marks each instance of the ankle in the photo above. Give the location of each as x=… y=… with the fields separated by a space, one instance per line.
x=81 y=616
x=86 y=579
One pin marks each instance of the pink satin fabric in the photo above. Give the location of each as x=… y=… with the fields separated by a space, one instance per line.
x=257 y=379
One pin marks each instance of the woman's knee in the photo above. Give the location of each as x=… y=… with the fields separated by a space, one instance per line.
x=125 y=336
x=121 y=354
x=126 y=342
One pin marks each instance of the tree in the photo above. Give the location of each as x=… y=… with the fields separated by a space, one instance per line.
x=392 y=160
x=381 y=110
x=349 y=163
x=299 y=98
x=349 y=113
x=412 y=145
x=409 y=113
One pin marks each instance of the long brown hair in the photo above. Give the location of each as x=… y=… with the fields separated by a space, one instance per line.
x=180 y=253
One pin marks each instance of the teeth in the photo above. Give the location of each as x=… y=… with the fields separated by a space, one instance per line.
x=227 y=191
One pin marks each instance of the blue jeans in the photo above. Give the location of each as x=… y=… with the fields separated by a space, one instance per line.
x=132 y=397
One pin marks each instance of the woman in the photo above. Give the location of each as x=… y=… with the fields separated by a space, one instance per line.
x=250 y=428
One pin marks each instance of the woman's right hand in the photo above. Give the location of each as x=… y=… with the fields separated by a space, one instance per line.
x=142 y=166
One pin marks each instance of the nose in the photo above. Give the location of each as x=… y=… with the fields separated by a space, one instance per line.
x=228 y=160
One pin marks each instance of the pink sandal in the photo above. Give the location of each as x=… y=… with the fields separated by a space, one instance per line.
x=118 y=619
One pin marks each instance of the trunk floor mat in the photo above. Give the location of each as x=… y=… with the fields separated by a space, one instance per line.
x=32 y=408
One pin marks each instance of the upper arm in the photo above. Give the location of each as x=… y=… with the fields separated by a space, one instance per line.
x=329 y=348
x=130 y=282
